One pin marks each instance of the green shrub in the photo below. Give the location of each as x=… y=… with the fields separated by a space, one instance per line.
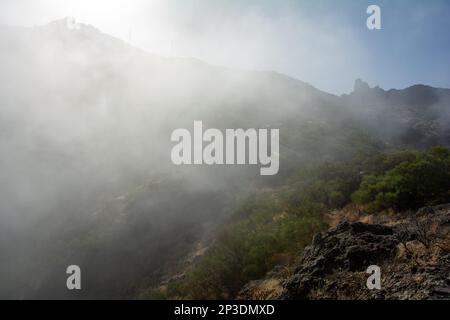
x=415 y=182
x=280 y=222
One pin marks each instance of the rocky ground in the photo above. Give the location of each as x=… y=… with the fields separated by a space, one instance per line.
x=412 y=250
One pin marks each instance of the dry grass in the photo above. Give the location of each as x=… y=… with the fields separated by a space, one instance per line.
x=268 y=290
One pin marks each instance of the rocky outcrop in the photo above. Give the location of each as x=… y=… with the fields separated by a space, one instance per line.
x=348 y=247
x=361 y=87
x=413 y=252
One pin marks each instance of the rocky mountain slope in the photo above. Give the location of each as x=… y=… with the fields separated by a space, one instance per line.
x=415 y=117
x=85 y=123
x=412 y=250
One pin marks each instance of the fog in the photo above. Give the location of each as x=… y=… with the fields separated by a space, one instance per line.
x=86 y=171
x=288 y=37
x=85 y=124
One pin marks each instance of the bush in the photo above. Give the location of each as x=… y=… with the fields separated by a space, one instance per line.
x=270 y=224
x=411 y=184
x=280 y=222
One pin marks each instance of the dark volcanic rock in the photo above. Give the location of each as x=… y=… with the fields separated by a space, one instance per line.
x=349 y=246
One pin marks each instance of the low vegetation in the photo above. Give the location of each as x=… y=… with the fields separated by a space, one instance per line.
x=271 y=227
x=422 y=180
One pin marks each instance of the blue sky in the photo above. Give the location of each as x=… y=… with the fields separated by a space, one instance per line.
x=323 y=42
x=412 y=47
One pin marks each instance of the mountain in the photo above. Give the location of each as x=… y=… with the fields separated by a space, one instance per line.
x=415 y=117
x=85 y=122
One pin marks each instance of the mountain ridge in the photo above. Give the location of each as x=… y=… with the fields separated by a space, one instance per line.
x=69 y=24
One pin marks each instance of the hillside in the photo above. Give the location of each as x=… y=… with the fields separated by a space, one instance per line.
x=264 y=251
x=412 y=251
x=85 y=122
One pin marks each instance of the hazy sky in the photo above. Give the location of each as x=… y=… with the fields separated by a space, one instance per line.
x=325 y=43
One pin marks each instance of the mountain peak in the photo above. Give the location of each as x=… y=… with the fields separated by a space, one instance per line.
x=67 y=23
x=70 y=24
x=361 y=86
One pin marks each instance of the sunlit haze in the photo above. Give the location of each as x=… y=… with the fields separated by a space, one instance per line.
x=321 y=42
